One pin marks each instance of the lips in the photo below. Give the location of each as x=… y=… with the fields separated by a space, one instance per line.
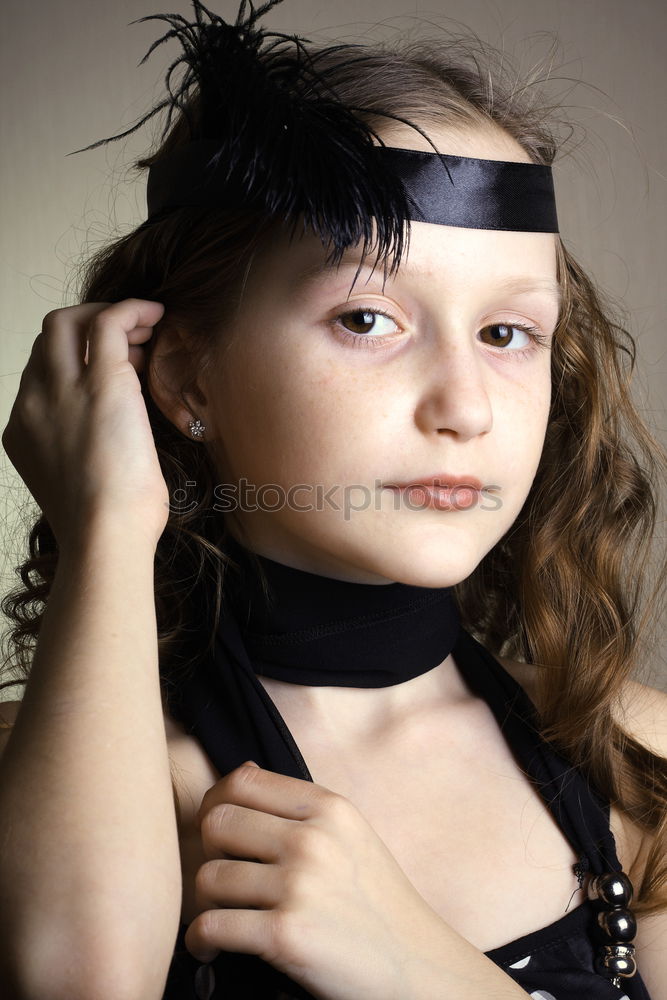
x=440 y=492
x=442 y=480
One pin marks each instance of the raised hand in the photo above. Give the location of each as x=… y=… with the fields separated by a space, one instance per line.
x=297 y=876
x=78 y=433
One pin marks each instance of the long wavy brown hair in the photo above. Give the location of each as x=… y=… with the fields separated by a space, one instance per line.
x=566 y=588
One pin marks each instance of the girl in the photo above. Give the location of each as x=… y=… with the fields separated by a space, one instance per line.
x=332 y=607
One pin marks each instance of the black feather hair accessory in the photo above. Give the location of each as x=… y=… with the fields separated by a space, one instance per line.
x=270 y=133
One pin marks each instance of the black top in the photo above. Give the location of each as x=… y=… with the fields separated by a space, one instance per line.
x=316 y=624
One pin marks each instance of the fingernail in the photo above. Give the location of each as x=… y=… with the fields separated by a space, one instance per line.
x=251 y=763
x=204 y=957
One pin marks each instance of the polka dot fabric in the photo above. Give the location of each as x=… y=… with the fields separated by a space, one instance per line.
x=557 y=962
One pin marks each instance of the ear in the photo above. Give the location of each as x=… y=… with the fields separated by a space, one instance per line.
x=167 y=369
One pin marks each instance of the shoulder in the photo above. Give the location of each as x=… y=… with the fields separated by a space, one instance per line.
x=192 y=775
x=524 y=674
x=640 y=710
x=8 y=713
x=191 y=770
x=642 y=713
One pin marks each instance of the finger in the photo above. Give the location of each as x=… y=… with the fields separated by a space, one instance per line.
x=35 y=364
x=256 y=788
x=110 y=330
x=137 y=357
x=140 y=335
x=248 y=931
x=244 y=833
x=34 y=377
x=62 y=342
x=238 y=884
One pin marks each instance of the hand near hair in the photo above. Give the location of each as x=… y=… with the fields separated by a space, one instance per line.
x=319 y=895
x=78 y=433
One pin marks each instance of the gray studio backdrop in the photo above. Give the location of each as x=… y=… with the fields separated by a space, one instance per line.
x=69 y=76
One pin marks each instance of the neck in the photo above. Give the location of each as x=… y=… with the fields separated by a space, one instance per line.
x=353 y=716
x=350 y=659
x=298 y=554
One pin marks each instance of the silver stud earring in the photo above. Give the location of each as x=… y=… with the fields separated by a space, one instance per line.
x=197 y=428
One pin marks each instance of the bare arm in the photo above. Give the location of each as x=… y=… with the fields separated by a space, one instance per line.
x=90 y=885
x=89 y=868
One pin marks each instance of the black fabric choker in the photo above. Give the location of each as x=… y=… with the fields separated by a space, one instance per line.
x=320 y=631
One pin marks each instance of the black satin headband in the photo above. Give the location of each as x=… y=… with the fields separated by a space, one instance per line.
x=442 y=189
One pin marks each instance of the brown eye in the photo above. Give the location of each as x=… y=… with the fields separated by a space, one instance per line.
x=502 y=334
x=368 y=321
x=359 y=321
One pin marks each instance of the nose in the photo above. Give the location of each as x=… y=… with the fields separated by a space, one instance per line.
x=455 y=399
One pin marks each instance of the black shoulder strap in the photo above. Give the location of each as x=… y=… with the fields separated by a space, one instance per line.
x=227 y=709
x=580 y=811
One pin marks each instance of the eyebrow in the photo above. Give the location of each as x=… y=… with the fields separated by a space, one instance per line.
x=518 y=285
x=521 y=284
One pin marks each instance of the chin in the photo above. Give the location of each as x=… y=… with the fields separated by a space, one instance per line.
x=429 y=573
x=423 y=563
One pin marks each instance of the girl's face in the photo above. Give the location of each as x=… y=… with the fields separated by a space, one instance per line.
x=326 y=393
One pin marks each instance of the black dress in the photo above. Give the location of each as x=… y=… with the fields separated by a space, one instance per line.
x=321 y=631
